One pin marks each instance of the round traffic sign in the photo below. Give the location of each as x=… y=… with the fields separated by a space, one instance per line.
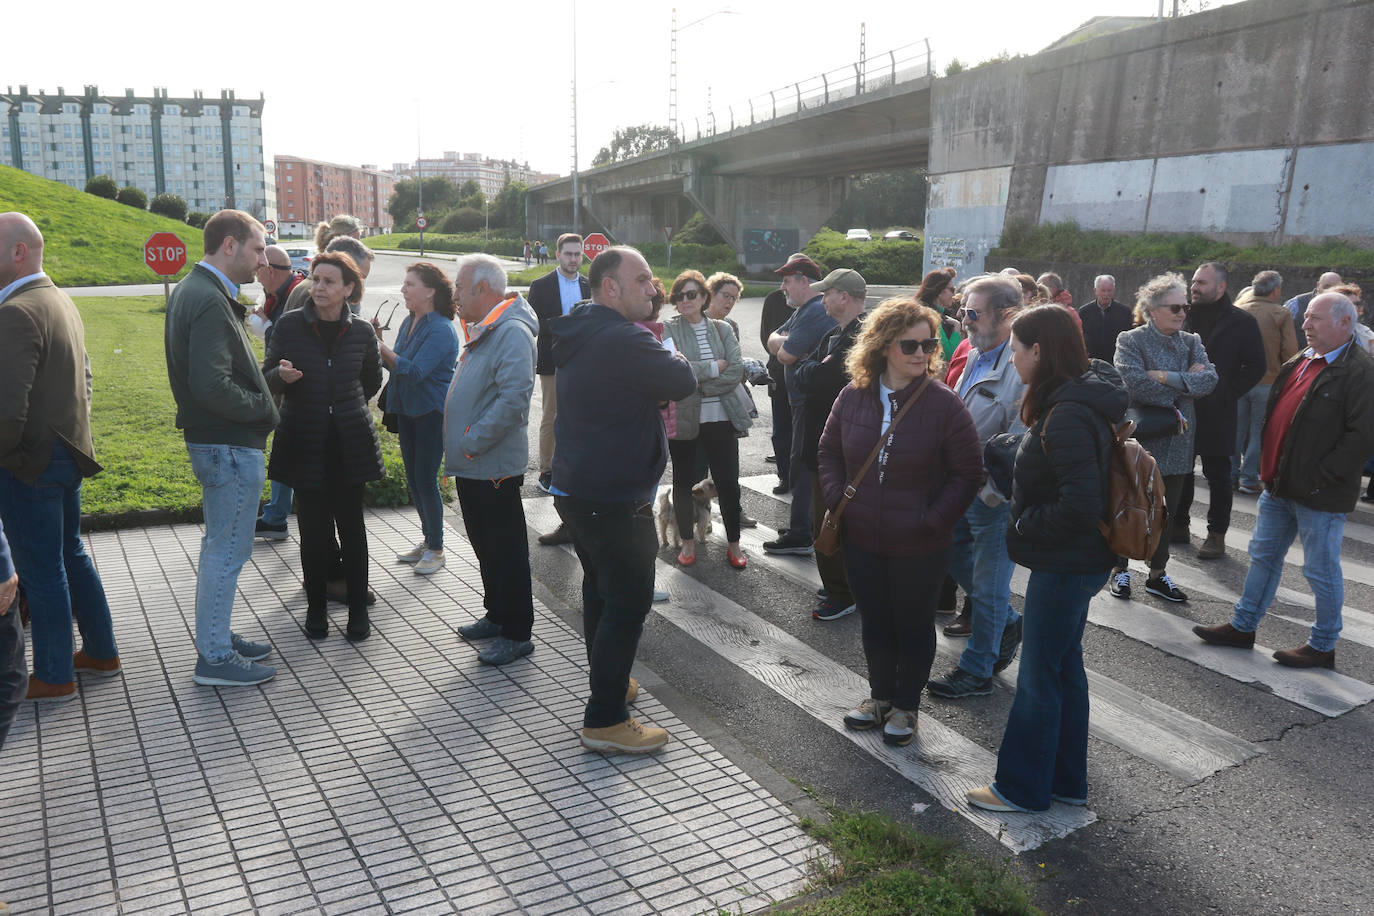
x=594 y=244
x=164 y=253
x=271 y=226
x=421 y=222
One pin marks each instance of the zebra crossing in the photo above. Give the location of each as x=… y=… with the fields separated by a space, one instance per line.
x=944 y=763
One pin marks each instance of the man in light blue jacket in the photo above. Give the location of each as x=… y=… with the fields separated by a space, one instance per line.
x=486 y=449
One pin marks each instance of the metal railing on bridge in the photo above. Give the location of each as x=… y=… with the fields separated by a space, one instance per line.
x=909 y=62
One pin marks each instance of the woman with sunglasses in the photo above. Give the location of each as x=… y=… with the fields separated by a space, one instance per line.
x=898 y=525
x=1163 y=366
x=936 y=292
x=711 y=417
x=1058 y=497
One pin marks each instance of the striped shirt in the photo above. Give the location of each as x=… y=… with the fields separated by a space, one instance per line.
x=711 y=409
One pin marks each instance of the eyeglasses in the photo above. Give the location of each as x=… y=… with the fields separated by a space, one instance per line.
x=689 y=295
x=1176 y=308
x=968 y=313
x=929 y=345
x=278 y=266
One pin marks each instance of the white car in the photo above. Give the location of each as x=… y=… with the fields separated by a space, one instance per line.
x=858 y=235
x=300 y=257
x=901 y=235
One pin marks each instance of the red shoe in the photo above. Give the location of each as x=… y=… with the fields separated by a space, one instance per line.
x=739 y=561
x=684 y=560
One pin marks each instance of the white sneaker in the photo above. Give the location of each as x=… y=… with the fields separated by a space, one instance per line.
x=412 y=556
x=430 y=561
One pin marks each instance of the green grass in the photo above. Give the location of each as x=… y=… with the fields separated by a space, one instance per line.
x=530 y=274
x=88 y=240
x=133 y=418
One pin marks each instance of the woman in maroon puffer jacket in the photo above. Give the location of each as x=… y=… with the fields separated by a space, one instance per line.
x=898 y=526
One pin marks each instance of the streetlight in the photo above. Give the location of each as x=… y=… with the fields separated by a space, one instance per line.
x=672 y=61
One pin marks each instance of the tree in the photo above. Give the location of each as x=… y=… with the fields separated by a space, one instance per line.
x=464 y=219
x=634 y=141
x=102 y=186
x=171 y=206
x=196 y=220
x=508 y=210
x=883 y=199
x=133 y=197
x=441 y=195
x=470 y=195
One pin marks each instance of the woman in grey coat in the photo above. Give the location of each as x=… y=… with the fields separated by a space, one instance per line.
x=1163 y=366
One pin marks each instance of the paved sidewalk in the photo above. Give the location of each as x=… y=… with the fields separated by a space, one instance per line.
x=396 y=775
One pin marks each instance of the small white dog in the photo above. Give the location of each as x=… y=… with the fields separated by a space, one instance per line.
x=702 y=494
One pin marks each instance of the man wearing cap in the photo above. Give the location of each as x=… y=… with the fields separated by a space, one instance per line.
x=823 y=375
x=797 y=337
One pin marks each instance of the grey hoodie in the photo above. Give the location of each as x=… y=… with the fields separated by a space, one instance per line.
x=487 y=410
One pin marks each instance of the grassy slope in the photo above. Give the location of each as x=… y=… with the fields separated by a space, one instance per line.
x=112 y=232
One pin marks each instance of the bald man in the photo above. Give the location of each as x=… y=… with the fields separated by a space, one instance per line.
x=278 y=279
x=1297 y=306
x=45 y=453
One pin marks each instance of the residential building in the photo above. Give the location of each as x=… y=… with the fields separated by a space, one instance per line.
x=491 y=175
x=310 y=191
x=205 y=150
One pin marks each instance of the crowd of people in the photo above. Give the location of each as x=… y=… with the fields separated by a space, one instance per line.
x=930 y=444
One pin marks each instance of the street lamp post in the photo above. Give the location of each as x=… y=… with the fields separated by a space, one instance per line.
x=672 y=60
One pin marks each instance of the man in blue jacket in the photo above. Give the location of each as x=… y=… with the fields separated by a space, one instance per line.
x=612 y=377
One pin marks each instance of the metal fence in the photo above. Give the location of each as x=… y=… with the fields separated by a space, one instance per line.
x=874 y=73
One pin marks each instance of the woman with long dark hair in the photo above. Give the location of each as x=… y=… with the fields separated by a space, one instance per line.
x=1059 y=488
x=325 y=363
x=937 y=292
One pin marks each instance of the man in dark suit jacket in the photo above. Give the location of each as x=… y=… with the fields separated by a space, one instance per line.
x=45 y=453
x=1235 y=346
x=1104 y=319
x=552 y=296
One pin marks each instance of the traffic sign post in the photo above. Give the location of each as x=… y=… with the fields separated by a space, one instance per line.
x=270 y=226
x=668 y=237
x=421 y=223
x=594 y=244
x=165 y=254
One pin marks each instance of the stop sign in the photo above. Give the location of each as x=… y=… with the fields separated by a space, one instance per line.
x=164 y=253
x=594 y=244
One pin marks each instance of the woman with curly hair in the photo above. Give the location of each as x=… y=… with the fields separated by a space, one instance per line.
x=898 y=525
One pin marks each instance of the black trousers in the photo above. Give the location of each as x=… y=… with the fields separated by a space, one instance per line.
x=319 y=513
x=14 y=672
x=1173 y=486
x=721 y=445
x=617 y=544
x=831 y=568
x=782 y=429
x=495 y=521
x=896 y=598
x=1217 y=470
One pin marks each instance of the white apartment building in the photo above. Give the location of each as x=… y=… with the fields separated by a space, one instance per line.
x=205 y=150
x=491 y=175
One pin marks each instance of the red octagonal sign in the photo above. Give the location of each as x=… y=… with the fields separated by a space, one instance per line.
x=594 y=244
x=164 y=253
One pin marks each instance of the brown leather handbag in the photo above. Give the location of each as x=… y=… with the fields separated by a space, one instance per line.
x=828 y=540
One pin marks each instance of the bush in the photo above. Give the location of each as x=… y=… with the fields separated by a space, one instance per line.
x=102 y=186
x=458 y=244
x=169 y=205
x=464 y=219
x=697 y=231
x=887 y=263
x=196 y=219
x=133 y=197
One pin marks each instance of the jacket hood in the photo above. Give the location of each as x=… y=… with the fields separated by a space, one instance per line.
x=1100 y=388
x=572 y=331
x=514 y=309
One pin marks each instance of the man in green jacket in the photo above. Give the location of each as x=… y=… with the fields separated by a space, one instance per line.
x=225 y=411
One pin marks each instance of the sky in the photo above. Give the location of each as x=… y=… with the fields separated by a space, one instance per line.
x=364 y=82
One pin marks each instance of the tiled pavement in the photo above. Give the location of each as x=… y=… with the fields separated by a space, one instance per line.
x=396 y=775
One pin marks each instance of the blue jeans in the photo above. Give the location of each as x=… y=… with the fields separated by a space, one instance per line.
x=616 y=544
x=1278 y=522
x=231 y=479
x=43 y=522
x=278 y=505
x=982 y=568
x=1044 y=749
x=1249 y=426
x=422 y=448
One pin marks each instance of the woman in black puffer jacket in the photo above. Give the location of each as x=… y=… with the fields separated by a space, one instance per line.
x=1059 y=490
x=327 y=364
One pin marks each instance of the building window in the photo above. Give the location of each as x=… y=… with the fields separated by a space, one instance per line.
x=101 y=108
x=140 y=109
x=171 y=109
x=30 y=107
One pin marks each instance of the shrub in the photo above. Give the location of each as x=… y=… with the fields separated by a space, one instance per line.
x=697 y=231
x=464 y=219
x=132 y=197
x=171 y=206
x=464 y=244
x=880 y=262
x=196 y=219
x=79 y=242
x=102 y=186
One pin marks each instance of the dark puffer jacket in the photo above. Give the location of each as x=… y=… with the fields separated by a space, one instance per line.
x=1058 y=497
x=933 y=470
x=334 y=387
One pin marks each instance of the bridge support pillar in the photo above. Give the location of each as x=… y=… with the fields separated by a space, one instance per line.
x=766 y=218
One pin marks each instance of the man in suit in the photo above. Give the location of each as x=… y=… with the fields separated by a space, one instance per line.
x=45 y=453
x=1234 y=345
x=552 y=296
x=1104 y=319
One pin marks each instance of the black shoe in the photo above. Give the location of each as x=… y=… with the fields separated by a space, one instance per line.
x=959 y=684
x=316 y=623
x=546 y=481
x=1011 y=642
x=781 y=489
x=1163 y=587
x=270 y=532
x=961 y=625
x=557 y=536
x=789 y=543
x=1120 y=586
x=1367 y=498
x=772 y=459
x=359 y=627
x=747 y=521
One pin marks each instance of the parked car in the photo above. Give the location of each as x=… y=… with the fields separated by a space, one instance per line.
x=858 y=235
x=901 y=235
x=300 y=257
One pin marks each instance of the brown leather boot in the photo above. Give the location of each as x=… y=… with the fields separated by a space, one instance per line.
x=1214 y=548
x=1226 y=635
x=1305 y=657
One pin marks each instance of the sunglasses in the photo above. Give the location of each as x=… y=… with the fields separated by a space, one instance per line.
x=278 y=266
x=970 y=314
x=689 y=294
x=1179 y=308
x=929 y=346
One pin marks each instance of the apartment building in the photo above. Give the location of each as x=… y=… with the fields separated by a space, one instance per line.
x=310 y=191
x=491 y=175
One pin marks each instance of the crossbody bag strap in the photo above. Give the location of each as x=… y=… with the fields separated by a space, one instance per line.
x=851 y=488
